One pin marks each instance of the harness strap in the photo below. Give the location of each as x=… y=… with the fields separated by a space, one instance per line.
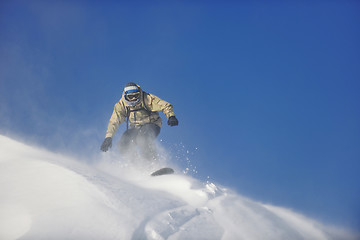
x=128 y=111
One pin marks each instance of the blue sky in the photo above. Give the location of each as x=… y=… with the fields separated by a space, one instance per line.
x=267 y=94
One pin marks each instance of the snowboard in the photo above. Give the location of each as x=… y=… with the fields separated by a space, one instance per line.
x=163 y=171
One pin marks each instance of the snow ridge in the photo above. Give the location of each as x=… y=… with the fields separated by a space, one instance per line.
x=49 y=196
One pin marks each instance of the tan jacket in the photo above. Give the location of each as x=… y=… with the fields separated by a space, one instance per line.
x=139 y=114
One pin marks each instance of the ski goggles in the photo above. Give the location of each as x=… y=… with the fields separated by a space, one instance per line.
x=133 y=96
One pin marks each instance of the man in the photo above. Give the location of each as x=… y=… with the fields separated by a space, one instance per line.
x=140 y=110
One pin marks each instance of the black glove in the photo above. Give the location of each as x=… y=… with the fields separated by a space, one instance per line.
x=173 y=121
x=106 y=144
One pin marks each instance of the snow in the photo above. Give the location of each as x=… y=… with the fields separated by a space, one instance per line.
x=50 y=196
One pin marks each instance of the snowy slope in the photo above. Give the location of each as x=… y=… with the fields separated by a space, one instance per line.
x=48 y=196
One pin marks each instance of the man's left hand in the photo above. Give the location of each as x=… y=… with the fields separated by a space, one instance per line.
x=173 y=121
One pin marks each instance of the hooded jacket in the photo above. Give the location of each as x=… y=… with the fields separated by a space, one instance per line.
x=145 y=111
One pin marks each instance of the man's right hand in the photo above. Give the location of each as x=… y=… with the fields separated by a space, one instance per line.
x=106 y=144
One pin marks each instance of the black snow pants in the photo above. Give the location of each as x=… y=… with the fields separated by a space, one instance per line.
x=142 y=138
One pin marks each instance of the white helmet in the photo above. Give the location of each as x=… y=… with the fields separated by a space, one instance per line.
x=131 y=94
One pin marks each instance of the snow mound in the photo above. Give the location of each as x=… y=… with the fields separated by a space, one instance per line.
x=49 y=196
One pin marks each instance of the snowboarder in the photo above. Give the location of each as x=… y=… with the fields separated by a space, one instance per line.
x=140 y=110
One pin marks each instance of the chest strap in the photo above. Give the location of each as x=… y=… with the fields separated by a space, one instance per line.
x=128 y=111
